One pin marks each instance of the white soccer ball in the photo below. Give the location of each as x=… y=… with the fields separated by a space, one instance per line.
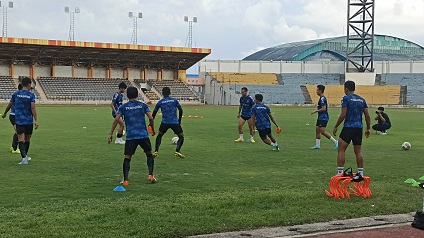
x=406 y=145
x=174 y=140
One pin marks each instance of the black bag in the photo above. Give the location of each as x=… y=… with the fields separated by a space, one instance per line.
x=418 y=220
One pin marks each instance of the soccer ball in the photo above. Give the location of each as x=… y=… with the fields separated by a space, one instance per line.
x=406 y=145
x=174 y=140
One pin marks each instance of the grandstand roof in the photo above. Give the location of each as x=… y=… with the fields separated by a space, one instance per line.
x=57 y=52
x=386 y=48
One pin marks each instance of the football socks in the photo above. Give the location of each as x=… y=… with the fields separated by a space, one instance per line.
x=126 y=168
x=180 y=143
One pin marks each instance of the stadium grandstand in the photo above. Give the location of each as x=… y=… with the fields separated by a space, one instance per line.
x=289 y=73
x=68 y=71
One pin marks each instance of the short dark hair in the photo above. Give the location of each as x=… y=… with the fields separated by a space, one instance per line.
x=350 y=85
x=321 y=88
x=259 y=97
x=122 y=85
x=132 y=92
x=20 y=86
x=166 y=91
x=26 y=81
x=244 y=88
x=380 y=109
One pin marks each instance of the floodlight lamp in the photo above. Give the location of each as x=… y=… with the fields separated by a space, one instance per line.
x=195 y=19
x=67 y=9
x=130 y=14
x=77 y=10
x=186 y=18
x=10 y=4
x=140 y=15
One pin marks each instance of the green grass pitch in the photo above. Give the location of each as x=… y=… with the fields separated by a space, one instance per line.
x=221 y=185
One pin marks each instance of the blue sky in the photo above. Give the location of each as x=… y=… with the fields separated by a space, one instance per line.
x=233 y=29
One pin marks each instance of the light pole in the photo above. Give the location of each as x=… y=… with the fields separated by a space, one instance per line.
x=72 y=23
x=135 y=21
x=5 y=7
x=189 y=41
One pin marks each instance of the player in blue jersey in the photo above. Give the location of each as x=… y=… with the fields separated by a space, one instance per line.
x=245 y=114
x=14 y=148
x=353 y=106
x=137 y=135
x=115 y=104
x=169 y=106
x=23 y=102
x=322 y=119
x=261 y=115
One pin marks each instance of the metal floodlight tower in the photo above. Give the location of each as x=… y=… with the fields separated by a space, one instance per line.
x=5 y=8
x=189 y=41
x=72 y=22
x=360 y=45
x=135 y=27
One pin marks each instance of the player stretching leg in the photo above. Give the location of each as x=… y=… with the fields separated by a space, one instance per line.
x=261 y=115
x=353 y=106
x=322 y=119
x=169 y=106
x=245 y=114
x=137 y=134
x=115 y=104
x=25 y=114
x=14 y=149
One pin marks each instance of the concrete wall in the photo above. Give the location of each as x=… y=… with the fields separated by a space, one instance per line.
x=4 y=70
x=80 y=72
x=327 y=67
x=42 y=71
x=99 y=72
x=22 y=70
x=361 y=78
x=218 y=93
x=63 y=71
x=134 y=74
x=117 y=73
x=151 y=74
x=168 y=74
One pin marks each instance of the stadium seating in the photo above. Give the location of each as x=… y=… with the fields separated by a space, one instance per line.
x=8 y=87
x=275 y=94
x=245 y=78
x=413 y=82
x=310 y=79
x=179 y=89
x=65 y=88
x=376 y=95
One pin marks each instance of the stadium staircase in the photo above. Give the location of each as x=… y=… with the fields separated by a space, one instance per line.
x=403 y=99
x=308 y=99
x=138 y=86
x=41 y=94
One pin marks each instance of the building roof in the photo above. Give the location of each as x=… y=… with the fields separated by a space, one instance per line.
x=57 y=52
x=386 y=48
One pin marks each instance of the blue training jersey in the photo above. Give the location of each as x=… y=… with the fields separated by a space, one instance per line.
x=22 y=100
x=261 y=113
x=247 y=104
x=134 y=112
x=117 y=101
x=355 y=108
x=168 y=107
x=323 y=116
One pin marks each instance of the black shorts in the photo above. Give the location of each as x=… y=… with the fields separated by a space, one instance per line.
x=264 y=133
x=321 y=123
x=131 y=146
x=353 y=135
x=245 y=118
x=12 y=119
x=176 y=128
x=24 y=129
